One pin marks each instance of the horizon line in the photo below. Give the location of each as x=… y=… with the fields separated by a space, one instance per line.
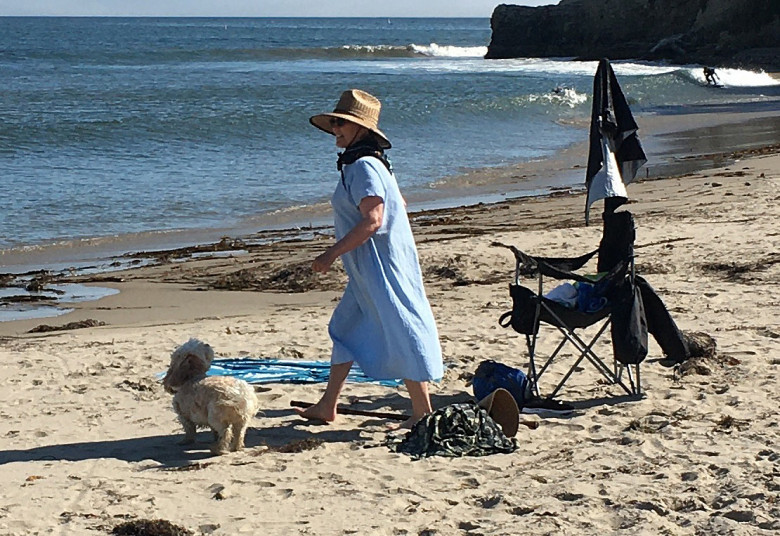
x=241 y=17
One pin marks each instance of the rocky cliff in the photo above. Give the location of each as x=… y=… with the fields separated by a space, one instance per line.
x=718 y=32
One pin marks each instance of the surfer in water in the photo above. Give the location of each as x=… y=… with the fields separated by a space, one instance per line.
x=710 y=77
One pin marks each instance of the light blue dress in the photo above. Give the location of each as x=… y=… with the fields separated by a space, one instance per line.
x=383 y=322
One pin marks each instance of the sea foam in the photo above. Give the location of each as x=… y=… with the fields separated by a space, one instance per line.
x=448 y=51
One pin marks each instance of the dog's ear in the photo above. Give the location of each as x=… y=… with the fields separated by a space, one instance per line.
x=172 y=378
x=184 y=370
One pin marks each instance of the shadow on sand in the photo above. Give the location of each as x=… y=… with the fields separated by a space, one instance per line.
x=165 y=450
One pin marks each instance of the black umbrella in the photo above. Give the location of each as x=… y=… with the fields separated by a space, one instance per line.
x=615 y=153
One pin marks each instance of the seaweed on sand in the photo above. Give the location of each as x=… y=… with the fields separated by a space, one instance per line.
x=294 y=278
x=150 y=527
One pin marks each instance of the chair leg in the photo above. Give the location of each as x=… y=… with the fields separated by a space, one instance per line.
x=634 y=378
x=638 y=380
x=531 y=342
x=613 y=375
x=587 y=353
x=534 y=375
x=567 y=376
x=551 y=358
x=598 y=364
x=533 y=378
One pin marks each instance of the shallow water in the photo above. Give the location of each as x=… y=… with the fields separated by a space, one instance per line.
x=58 y=296
x=114 y=127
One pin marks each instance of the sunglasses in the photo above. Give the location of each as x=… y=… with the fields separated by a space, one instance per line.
x=337 y=122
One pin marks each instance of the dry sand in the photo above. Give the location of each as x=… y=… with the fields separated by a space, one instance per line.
x=89 y=439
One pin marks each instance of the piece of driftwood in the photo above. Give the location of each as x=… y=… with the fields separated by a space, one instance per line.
x=351 y=411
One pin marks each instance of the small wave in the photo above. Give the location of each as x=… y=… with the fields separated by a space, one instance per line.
x=288 y=208
x=448 y=51
x=431 y=50
x=566 y=96
x=389 y=51
x=59 y=246
x=561 y=96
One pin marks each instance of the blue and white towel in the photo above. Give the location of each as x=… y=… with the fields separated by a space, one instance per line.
x=258 y=370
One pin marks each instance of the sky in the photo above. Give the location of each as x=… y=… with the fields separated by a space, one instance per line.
x=258 y=8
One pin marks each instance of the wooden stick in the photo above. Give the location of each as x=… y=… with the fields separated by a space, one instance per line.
x=350 y=411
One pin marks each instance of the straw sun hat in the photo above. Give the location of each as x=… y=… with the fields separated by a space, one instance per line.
x=358 y=107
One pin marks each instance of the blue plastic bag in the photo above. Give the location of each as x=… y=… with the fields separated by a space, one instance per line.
x=589 y=297
x=491 y=375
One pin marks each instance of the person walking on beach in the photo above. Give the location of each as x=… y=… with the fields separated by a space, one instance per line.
x=383 y=321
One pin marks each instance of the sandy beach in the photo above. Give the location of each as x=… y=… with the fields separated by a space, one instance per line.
x=88 y=439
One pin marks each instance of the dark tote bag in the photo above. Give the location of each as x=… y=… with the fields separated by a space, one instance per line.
x=629 y=326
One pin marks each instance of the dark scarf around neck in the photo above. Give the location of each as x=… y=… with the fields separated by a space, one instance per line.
x=368 y=146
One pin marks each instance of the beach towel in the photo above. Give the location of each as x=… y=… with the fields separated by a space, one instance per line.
x=261 y=370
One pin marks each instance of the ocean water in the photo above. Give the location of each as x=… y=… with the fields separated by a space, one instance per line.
x=111 y=127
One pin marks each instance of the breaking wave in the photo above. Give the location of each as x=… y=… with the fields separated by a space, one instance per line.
x=733 y=77
x=431 y=50
x=448 y=51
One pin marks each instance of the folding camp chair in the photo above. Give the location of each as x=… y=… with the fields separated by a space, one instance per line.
x=608 y=301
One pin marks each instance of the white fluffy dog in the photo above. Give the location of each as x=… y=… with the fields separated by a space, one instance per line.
x=225 y=404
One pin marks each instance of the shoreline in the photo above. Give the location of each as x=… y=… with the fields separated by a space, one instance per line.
x=662 y=134
x=46 y=281
x=277 y=263
x=44 y=284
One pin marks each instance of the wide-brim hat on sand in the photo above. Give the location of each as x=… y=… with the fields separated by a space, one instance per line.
x=502 y=408
x=358 y=107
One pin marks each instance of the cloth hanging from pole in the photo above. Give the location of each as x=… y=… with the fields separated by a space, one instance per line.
x=615 y=153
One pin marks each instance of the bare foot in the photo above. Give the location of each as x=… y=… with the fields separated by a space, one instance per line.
x=317 y=413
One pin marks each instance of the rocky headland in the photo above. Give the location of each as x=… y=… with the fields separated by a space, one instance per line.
x=742 y=33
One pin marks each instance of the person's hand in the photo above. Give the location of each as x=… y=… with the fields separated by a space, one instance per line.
x=322 y=263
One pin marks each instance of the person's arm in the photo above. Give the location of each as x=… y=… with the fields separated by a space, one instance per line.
x=372 y=208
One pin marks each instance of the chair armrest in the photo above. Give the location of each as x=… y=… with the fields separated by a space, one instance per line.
x=555 y=267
